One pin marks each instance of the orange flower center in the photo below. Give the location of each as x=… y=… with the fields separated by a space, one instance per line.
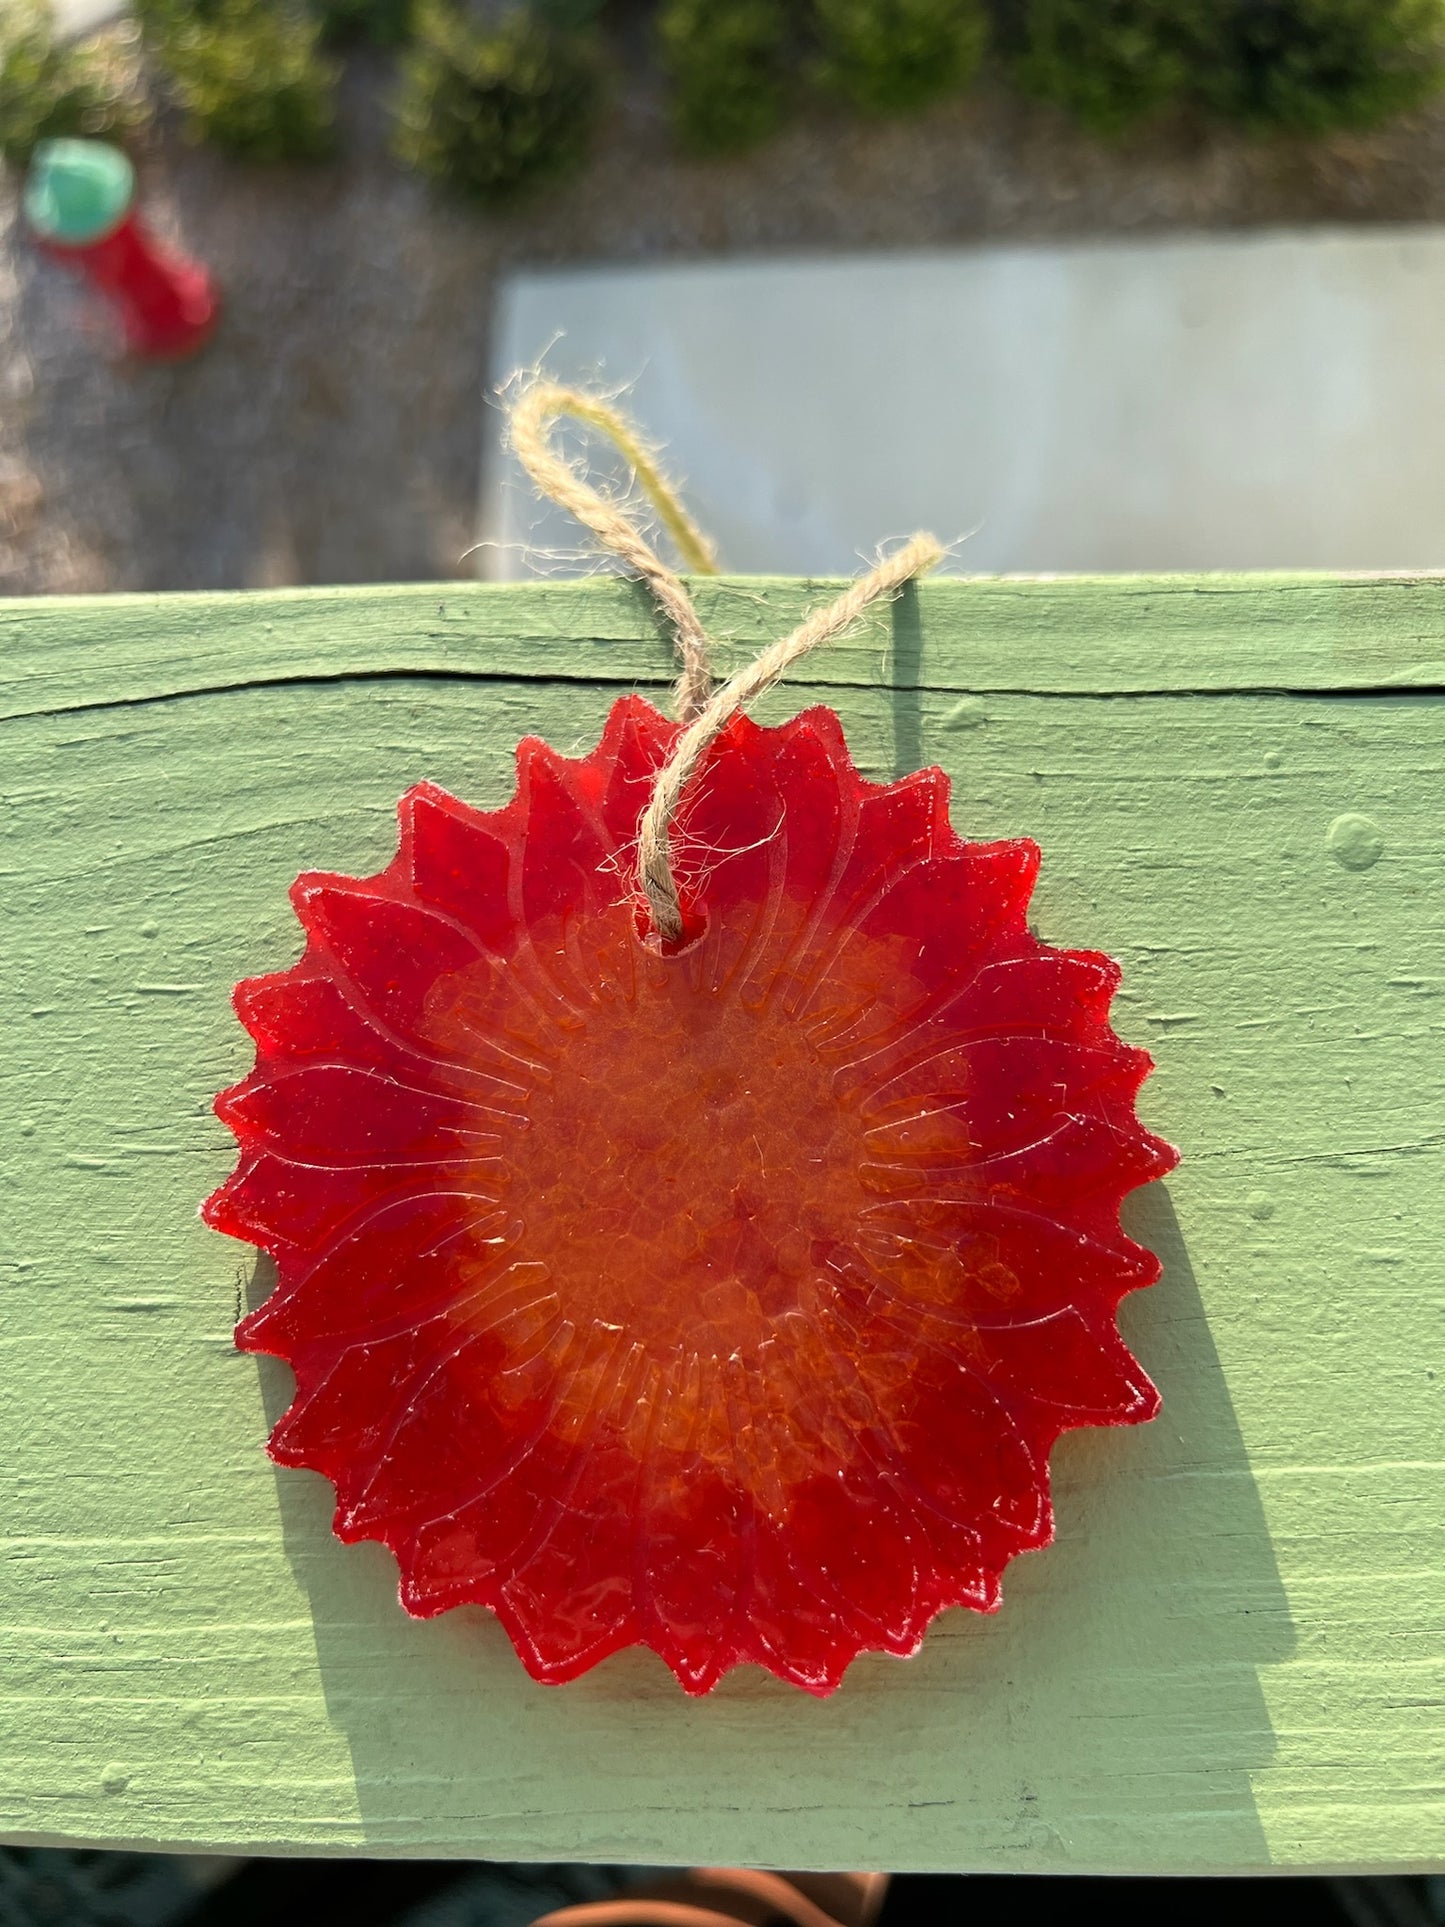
x=679 y=1163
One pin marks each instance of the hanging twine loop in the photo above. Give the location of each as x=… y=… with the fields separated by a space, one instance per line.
x=533 y=413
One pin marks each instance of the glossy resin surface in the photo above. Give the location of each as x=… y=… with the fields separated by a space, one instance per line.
x=726 y=1301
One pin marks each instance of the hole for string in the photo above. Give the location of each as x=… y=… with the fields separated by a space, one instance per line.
x=694 y=928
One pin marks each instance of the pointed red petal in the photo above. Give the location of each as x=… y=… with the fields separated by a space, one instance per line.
x=459 y=862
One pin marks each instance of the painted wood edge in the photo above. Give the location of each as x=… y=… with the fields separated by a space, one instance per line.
x=486 y=1847
x=991 y=635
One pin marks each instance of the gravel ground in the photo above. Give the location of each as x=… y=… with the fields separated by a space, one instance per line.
x=331 y=432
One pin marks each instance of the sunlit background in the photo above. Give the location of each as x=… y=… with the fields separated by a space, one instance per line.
x=1080 y=284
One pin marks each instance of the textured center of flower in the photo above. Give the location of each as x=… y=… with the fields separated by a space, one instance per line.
x=679 y=1167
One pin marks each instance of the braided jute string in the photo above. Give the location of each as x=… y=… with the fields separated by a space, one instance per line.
x=533 y=413
x=705 y=714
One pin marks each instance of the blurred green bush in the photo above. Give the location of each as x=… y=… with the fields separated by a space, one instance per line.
x=489 y=111
x=1108 y=63
x=727 y=68
x=384 y=23
x=498 y=95
x=249 y=75
x=569 y=14
x=49 y=90
x=895 y=56
x=1299 y=66
x=1314 y=66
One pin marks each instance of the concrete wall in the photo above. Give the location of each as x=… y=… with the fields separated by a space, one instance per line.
x=1264 y=401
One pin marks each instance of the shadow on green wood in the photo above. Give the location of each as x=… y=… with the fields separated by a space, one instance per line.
x=1137 y=1638
x=905 y=662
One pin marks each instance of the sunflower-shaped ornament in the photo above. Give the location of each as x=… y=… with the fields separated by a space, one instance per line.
x=694 y=1192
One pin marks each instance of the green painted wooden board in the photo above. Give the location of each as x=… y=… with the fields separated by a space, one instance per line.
x=1231 y=1657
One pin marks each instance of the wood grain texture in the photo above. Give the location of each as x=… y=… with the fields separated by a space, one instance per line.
x=1229 y=1660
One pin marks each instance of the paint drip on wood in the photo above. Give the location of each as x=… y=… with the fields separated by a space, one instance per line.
x=725 y=1300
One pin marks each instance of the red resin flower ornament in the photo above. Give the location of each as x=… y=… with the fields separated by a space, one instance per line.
x=726 y=1298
